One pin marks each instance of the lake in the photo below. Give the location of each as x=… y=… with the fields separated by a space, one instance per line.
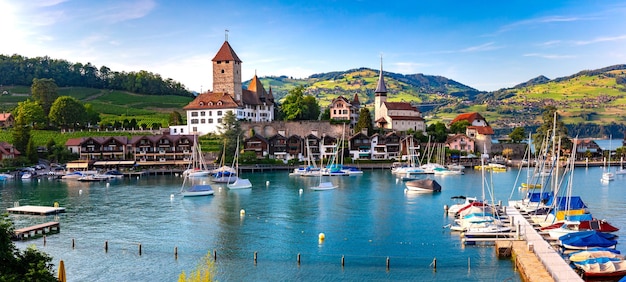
x=367 y=220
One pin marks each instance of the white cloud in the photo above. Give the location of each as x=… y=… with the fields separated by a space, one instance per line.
x=126 y=10
x=549 y=56
x=480 y=48
x=601 y=39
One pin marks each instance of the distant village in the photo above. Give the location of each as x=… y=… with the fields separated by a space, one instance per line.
x=282 y=140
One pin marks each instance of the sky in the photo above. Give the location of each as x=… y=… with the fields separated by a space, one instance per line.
x=486 y=45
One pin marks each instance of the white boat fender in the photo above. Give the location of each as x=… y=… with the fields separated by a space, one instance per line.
x=242 y=212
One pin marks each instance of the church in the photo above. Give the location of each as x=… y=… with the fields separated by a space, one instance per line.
x=204 y=114
x=396 y=116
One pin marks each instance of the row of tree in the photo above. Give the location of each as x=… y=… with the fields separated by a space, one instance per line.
x=19 y=70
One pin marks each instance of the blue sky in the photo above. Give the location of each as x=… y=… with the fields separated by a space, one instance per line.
x=487 y=45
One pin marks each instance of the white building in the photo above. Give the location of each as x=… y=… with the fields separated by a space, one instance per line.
x=204 y=114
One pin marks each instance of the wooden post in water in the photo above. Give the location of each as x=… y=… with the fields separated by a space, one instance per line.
x=106 y=246
x=343 y=260
x=73 y=243
x=298 y=258
x=255 y=256
x=435 y=264
x=175 y=252
x=387 y=263
x=215 y=255
x=44 y=240
x=139 y=248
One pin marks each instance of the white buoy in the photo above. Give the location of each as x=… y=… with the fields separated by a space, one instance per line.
x=397 y=180
x=242 y=212
x=321 y=237
x=108 y=184
x=300 y=191
x=80 y=192
x=267 y=183
x=171 y=197
x=137 y=177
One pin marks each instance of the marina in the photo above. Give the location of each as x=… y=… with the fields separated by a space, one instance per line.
x=374 y=229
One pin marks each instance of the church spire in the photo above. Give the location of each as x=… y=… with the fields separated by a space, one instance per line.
x=381 y=89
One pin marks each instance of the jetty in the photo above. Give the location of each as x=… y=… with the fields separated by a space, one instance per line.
x=36 y=210
x=35 y=230
x=534 y=256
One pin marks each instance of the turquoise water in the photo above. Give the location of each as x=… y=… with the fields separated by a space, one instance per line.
x=368 y=219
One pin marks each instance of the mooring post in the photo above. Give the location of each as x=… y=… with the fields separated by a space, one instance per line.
x=44 y=240
x=387 y=263
x=73 y=243
x=343 y=260
x=175 y=252
x=255 y=256
x=139 y=248
x=298 y=258
x=106 y=246
x=215 y=255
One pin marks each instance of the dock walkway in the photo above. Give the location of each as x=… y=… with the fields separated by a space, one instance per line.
x=552 y=261
x=32 y=231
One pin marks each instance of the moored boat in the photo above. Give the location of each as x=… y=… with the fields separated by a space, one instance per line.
x=427 y=185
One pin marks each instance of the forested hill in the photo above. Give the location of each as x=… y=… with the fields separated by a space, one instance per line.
x=19 y=70
x=417 y=88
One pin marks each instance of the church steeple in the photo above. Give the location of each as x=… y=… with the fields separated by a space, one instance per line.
x=381 y=89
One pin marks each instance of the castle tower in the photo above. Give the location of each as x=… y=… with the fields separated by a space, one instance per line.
x=381 y=93
x=227 y=72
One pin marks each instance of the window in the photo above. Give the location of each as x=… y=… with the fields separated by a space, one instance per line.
x=210 y=120
x=201 y=103
x=219 y=120
x=194 y=114
x=202 y=113
x=194 y=121
x=210 y=113
x=202 y=121
x=227 y=62
x=222 y=71
x=219 y=62
x=174 y=130
x=195 y=129
x=219 y=113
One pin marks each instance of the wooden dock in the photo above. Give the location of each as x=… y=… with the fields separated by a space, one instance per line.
x=36 y=210
x=39 y=229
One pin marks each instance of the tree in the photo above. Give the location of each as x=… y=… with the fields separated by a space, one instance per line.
x=33 y=113
x=459 y=126
x=364 y=122
x=230 y=130
x=517 y=135
x=67 y=112
x=29 y=265
x=438 y=132
x=31 y=152
x=297 y=106
x=44 y=92
x=175 y=118
x=92 y=116
x=545 y=130
x=21 y=133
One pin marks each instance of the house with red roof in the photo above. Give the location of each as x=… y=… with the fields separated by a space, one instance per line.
x=204 y=114
x=397 y=116
x=478 y=130
x=7 y=151
x=6 y=120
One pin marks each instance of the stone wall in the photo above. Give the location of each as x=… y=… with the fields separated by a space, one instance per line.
x=299 y=128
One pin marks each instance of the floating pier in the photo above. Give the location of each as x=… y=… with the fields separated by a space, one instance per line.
x=39 y=229
x=36 y=210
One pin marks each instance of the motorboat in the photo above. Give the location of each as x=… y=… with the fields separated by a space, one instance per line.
x=428 y=185
x=324 y=186
x=197 y=190
x=461 y=201
x=584 y=240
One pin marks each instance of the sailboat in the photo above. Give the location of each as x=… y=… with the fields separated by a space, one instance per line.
x=224 y=174
x=197 y=167
x=240 y=183
x=323 y=185
x=190 y=187
x=608 y=175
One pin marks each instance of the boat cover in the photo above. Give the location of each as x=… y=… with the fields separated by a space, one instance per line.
x=575 y=203
x=535 y=197
x=588 y=239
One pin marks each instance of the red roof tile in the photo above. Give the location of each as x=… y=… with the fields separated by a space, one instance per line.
x=470 y=117
x=212 y=100
x=226 y=53
x=400 y=106
x=405 y=118
x=484 y=130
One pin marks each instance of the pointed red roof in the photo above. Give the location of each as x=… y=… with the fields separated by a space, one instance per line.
x=226 y=53
x=355 y=100
x=470 y=117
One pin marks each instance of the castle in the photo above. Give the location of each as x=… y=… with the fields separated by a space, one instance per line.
x=205 y=112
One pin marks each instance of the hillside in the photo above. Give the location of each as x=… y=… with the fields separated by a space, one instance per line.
x=112 y=105
x=416 y=88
